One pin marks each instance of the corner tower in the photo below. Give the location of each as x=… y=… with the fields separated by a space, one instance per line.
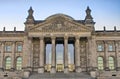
x=30 y=19
x=89 y=19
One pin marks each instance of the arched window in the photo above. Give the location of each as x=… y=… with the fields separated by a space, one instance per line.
x=19 y=63
x=111 y=63
x=100 y=63
x=8 y=63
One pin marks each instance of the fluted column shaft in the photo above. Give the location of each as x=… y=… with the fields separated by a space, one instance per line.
x=77 y=54
x=66 y=54
x=53 y=70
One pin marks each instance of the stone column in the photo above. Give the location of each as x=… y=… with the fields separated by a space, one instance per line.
x=13 y=56
x=89 y=54
x=41 y=69
x=66 y=70
x=106 y=56
x=2 y=54
x=94 y=53
x=77 y=54
x=53 y=58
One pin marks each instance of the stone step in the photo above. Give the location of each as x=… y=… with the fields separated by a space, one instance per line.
x=60 y=76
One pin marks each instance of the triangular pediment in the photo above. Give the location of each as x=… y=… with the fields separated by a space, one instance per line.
x=60 y=23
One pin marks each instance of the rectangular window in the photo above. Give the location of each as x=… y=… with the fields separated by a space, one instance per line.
x=100 y=47
x=110 y=47
x=19 y=48
x=8 y=48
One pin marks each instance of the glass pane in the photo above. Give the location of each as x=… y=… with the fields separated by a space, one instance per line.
x=8 y=48
x=110 y=48
x=19 y=63
x=19 y=48
x=100 y=63
x=100 y=47
x=8 y=63
x=111 y=63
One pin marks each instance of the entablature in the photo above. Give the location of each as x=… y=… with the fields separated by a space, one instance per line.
x=59 y=34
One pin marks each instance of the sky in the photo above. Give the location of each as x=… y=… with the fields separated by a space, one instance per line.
x=13 y=13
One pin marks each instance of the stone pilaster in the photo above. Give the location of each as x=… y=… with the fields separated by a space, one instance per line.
x=41 y=69
x=25 y=53
x=77 y=54
x=106 y=56
x=27 y=50
x=2 y=54
x=66 y=70
x=13 y=56
x=53 y=64
x=30 y=52
x=117 y=65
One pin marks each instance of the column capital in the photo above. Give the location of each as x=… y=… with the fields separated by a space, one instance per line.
x=65 y=37
x=41 y=38
x=77 y=37
x=53 y=37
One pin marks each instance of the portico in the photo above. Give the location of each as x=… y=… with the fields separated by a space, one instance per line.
x=59 y=61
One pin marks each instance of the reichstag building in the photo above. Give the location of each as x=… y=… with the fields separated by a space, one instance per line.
x=60 y=47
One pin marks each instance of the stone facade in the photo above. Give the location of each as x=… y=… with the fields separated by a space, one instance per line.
x=89 y=46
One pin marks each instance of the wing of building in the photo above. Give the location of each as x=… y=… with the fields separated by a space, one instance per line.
x=57 y=46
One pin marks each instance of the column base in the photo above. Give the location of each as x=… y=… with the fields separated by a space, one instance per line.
x=41 y=70
x=66 y=70
x=53 y=70
x=78 y=69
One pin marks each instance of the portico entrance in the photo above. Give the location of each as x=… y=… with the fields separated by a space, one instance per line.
x=60 y=68
x=59 y=57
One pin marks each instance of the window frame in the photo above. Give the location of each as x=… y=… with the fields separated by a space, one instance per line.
x=111 y=47
x=100 y=63
x=8 y=63
x=8 y=48
x=19 y=49
x=100 y=49
x=109 y=63
x=19 y=63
